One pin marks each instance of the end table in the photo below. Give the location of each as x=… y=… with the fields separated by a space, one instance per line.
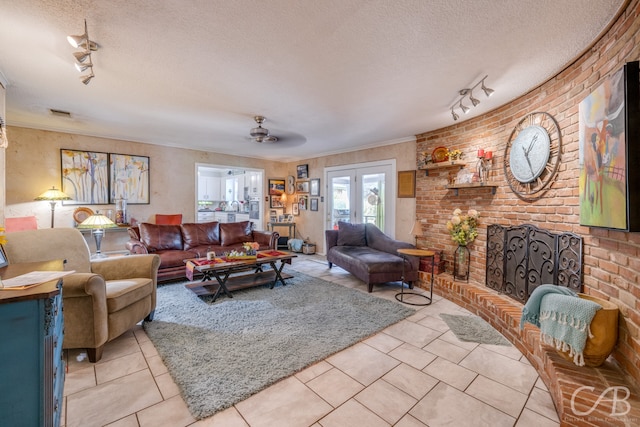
x=421 y=253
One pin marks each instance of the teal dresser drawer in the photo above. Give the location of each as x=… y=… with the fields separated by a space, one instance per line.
x=33 y=370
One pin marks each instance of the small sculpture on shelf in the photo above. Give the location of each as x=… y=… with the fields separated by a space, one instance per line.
x=424 y=159
x=484 y=165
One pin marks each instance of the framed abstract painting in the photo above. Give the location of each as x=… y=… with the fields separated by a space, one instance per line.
x=609 y=152
x=129 y=178
x=85 y=177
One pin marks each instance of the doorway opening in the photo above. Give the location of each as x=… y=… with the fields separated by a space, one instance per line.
x=229 y=194
x=362 y=193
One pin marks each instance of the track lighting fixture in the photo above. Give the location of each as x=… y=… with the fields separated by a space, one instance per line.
x=88 y=46
x=469 y=93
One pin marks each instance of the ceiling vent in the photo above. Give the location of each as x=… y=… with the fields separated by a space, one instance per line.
x=60 y=113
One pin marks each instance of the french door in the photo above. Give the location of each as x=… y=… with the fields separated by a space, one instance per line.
x=362 y=193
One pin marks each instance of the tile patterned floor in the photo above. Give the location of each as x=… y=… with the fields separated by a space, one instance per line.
x=415 y=373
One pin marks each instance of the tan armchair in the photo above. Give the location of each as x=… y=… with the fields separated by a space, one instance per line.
x=103 y=298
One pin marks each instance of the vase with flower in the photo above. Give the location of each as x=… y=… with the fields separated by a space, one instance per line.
x=251 y=248
x=464 y=230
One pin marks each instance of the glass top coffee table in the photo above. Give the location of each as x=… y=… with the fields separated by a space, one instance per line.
x=222 y=274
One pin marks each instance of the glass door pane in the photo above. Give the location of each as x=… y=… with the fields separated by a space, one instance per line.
x=340 y=200
x=373 y=189
x=358 y=195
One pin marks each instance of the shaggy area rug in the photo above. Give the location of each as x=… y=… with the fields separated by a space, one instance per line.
x=473 y=329
x=221 y=353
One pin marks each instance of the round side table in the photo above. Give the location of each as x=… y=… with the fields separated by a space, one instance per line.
x=421 y=253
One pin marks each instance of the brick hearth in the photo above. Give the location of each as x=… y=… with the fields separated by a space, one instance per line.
x=562 y=377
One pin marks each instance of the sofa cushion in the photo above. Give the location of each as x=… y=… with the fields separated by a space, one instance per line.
x=134 y=232
x=232 y=233
x=124 y=292
x=159 y=237
x=351 y=234
x=203 y=234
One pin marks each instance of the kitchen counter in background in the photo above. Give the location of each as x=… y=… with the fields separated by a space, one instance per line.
x=208 y=216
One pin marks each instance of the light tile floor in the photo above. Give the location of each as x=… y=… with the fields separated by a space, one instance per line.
x=415 y=373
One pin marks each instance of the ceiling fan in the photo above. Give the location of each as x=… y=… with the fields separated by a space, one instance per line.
x=260 y=134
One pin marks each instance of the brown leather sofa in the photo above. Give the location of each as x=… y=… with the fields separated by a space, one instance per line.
x=369 y=254
x=175 y=243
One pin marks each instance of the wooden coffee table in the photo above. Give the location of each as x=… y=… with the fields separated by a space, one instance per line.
x=222 y=274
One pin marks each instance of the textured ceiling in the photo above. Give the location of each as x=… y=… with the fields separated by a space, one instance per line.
x=329 y=75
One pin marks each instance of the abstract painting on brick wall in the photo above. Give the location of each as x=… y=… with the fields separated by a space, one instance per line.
x=608 y=132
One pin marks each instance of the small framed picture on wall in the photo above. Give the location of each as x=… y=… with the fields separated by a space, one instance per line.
x=303 y=171
x=313 y=204
x=275 y=202
x=302 y=186
x=295 y=209
x=303 y=203
x=314 y=187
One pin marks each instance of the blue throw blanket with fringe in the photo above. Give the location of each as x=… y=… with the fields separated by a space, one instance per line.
x=563 y=318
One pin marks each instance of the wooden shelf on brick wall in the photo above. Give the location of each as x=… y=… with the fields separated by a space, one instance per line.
x=443 y=165
x=456 y=187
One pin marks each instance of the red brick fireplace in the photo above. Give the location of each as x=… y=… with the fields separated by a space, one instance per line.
x=611 y=259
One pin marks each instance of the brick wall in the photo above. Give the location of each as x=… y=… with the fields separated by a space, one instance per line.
x=611 y=258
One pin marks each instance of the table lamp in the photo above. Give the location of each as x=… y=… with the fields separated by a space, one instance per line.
x=283 y=200
x=97 y=223
x=416 y=231
x=52 y=196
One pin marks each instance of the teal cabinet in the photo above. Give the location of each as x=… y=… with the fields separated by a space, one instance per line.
x=32 y=369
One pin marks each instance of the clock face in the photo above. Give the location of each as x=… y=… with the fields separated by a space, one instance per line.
x=529 y=153
x=532 y=155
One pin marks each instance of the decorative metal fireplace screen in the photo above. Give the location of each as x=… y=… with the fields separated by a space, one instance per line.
x=521 y=258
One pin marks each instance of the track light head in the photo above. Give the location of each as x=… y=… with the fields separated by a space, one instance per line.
x=82 y=67
x=487 y=91
x=464 y=108
x=454 y=115
x=86 y=79
x=474 y=101
x=76 y=41
x=81 y=56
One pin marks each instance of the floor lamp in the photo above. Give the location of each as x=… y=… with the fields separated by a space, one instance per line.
x=97 y=223
x=52 y=196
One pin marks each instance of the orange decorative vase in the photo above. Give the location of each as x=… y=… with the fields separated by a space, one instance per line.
x=604 y=328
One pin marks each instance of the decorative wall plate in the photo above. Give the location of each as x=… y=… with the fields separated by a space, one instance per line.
x=82 y=213
x=439 y=155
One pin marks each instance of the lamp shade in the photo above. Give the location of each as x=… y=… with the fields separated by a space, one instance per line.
x=416 y=230
x=97 y=221
x=53 y=194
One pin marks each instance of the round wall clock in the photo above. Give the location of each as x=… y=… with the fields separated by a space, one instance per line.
x=532 y=155
x=291 y=185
